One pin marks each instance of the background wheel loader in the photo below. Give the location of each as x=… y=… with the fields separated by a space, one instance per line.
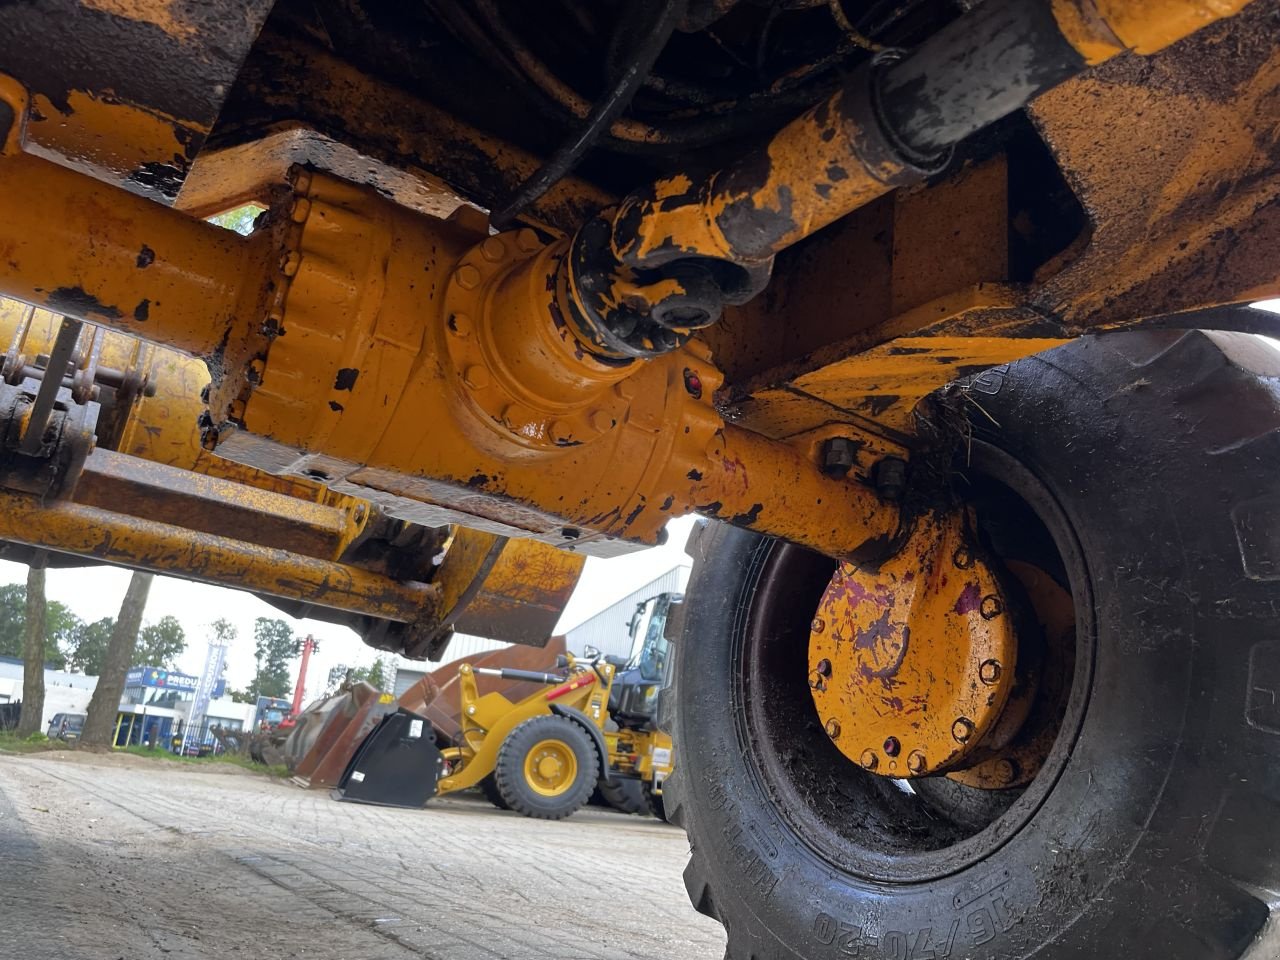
x=938 y=309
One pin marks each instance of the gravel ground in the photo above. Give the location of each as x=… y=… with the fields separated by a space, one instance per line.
x=112 y=857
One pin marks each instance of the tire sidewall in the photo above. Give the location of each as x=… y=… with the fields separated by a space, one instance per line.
x=1111 y=817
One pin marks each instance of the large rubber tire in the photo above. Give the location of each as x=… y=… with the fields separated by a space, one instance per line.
x=489 y=787
x=1157 y=459
x=625 y=795
x=513 y=784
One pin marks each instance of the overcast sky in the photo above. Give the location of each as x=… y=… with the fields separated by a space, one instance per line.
x=96 y=592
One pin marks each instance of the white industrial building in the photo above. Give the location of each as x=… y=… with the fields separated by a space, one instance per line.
x=606 y=630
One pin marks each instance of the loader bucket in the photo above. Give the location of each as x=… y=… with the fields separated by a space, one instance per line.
x=397 y=765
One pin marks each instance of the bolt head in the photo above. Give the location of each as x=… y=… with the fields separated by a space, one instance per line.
x=989 y=671
x=892 y=747
x=818 y=625
x=600 y=421
x=992 y=607
x=527 y=241
x=823 y=669
x=1005 y=771
x=476 y=377
x=833 y=728
x=625 y=389
x=962 y=730
x=839 y=454
x=869 y=760
x=468 y=277
x=916 y=762
x=493 y=249
x=560 y=430
x=962 y=558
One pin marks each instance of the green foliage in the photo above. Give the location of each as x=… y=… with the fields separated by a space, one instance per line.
x=241 y=696
x=37 y=737
x=59 y=632
x=274 y=646
x=88 y=646
x=161 y=643
x=378 y=675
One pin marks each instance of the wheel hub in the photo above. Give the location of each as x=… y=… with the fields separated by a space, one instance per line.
x=550 y=767
x=912 y=664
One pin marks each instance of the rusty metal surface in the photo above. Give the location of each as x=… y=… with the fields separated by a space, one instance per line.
x=123 y=89
x=145 y=544
x=521 y=599
x=911 y=664
x=294 y=83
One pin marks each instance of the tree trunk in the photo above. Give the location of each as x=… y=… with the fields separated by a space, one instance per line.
x=32 y=719
x=100 y=725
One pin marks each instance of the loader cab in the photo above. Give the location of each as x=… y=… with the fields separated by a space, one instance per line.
x=635 y=688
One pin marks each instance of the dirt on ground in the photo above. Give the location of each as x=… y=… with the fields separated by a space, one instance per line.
x=115 y=857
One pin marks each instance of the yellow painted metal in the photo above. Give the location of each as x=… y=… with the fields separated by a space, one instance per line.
x=487 y=720
x=1101 y=29
x=550 y=767
x=911 y=663
x=164 y=548
x=1013 y=752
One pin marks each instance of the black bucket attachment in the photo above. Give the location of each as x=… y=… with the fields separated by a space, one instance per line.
x=397 y=765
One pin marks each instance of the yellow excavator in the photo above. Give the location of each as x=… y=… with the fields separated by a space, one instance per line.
x=939 y=311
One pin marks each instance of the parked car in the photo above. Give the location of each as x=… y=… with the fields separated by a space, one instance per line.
x=66 y=726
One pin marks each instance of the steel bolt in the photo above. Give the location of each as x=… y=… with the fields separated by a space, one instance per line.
x=890 y=477
x=600 y=421
x=991 y=607
x=892 y=747
x=989 y=671
x=527 y=241
x=1006 y=771
x=962 y=730
x=468 y=277
x=817 y=626
x=962 y=558
x=493 y=249
x=839 y=454
x=869 y=760
x=916 y=762
x=560 y=430
x=833 y=728
x=824 y=667
x=476 y=377
x=625 y=389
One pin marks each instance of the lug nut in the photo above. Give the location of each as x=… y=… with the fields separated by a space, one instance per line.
x=892 y=747
x=817 y=626
x=1006 y=771
x=823 y=668
x=459 y=324
x=527 y=241
x=989 y=671
x=833 y=728
x=468 y=277
x=962 y=558
x=916 y=762
x=869 y=760
x=493 y=249
x=991 y=607
x=962 y=729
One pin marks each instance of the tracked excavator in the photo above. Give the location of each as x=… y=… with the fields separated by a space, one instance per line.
x=938 y=310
